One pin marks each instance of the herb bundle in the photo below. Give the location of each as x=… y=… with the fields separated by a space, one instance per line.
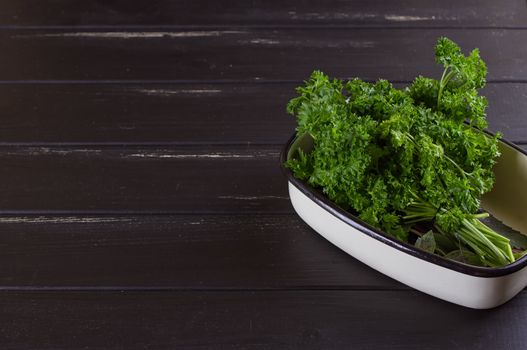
x=413 y=162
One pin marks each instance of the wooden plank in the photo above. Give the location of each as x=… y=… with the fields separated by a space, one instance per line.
x=184 y=113
x=507 y=111
x=116 y=179
x=255 y=320
x=142 y=180
x=175 y=252
x=236 y=12
x=247 y=54
x=138 y=113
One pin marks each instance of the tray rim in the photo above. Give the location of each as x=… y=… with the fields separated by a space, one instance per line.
x=325 y=203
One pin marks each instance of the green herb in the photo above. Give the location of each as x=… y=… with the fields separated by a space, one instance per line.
x=400 y=158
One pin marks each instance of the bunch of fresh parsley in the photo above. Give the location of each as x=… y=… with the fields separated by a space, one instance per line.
x=411 y=161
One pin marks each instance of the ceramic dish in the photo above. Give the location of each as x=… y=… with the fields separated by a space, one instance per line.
x=467 y=285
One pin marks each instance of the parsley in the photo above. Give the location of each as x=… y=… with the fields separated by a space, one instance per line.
x=407 y=158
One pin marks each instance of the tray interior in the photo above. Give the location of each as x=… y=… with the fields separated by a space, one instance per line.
x=508 y=199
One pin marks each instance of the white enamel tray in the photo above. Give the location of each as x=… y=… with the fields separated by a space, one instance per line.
x=470 y=286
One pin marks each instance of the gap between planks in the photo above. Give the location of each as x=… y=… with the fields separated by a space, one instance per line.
x=250 y=81
x=397 y=23
x=111 y=289
x=40 y=148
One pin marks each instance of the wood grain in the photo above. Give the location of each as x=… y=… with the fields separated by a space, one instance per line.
x=142 y=202
x=80 y=114
x=255 y=320
x=449 y=13
x=244 y=54
x=190 y=252
x=180 y=179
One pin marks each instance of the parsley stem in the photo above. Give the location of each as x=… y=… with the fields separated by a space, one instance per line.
x=445 y=78
x=463 y=172
x=491 y=248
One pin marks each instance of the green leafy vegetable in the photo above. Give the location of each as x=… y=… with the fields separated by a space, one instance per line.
x=427 y=242
x=400 y=158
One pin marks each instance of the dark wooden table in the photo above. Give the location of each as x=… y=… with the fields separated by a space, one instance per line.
x=142 y=204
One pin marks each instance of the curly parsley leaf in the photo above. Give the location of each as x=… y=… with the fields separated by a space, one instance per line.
x=400 y=157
